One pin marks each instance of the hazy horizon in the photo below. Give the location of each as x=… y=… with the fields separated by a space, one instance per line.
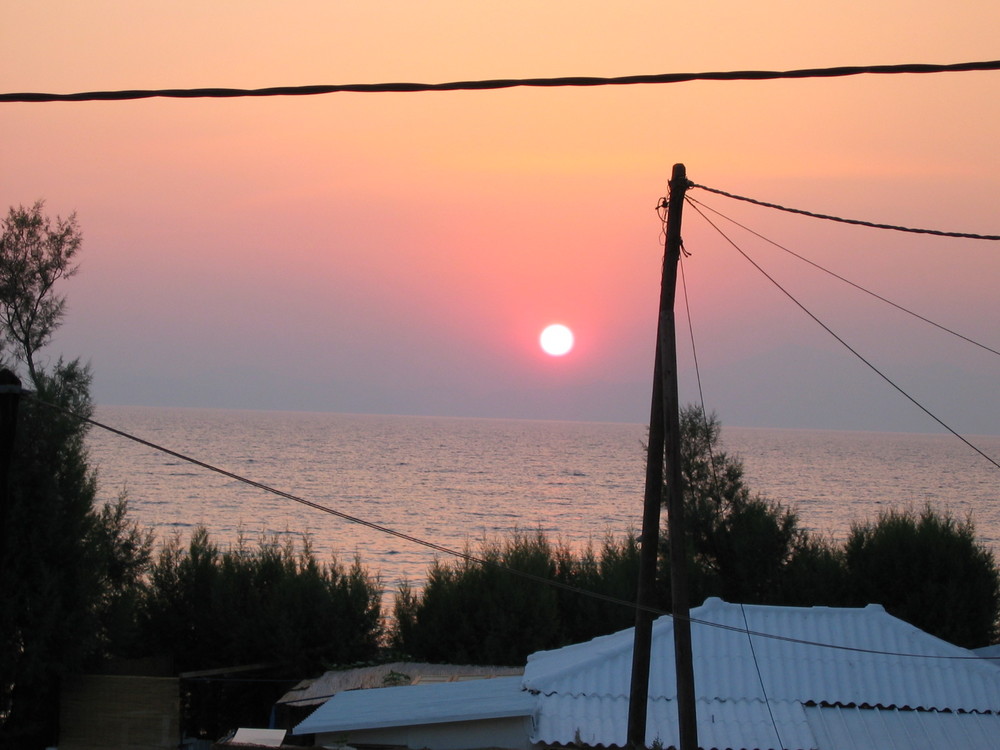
x=400 y=253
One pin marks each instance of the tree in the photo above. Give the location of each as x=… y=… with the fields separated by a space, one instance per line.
x=613 y=572
x=273 y=605
x=741 y=544
x=208 y=607
x=35 y=253
x=50 y=582
x=122 y=552
x=927 y=568
x=62 y=557
x=923 y=567
x=476 y=611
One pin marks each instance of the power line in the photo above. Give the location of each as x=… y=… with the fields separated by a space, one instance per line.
x=843 y=343
x=760 y=677
x=472 y=558
x=340 y=514
x=837 y=276
x=503 y=83
x=936 y=232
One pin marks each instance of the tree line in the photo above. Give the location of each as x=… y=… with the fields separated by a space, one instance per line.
x=83 y=586
x=923 y=565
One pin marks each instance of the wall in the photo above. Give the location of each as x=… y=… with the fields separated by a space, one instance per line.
x=101 y=712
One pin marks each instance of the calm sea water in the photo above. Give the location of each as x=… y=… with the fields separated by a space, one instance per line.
x=456 y=481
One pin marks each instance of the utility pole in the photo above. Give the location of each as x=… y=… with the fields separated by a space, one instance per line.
x=664 y=450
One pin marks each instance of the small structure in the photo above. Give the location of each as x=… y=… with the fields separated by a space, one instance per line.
x=766 y=677
x=305 y=697
x=250 y=737
x=117 y=712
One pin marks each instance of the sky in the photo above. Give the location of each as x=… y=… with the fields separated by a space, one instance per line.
x=400 y=253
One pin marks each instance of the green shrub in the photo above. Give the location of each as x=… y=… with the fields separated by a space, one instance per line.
x=927 y=568
x=477 y=611
x=272 y=603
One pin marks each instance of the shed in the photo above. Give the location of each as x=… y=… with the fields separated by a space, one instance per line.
x=301 y=700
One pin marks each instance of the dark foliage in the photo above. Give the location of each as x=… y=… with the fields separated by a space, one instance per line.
x=272 y=603
x=927 y=568
x=51 y=581
x=272 y=607
x=35 y=253
x=477 y=613
x=122 y=551
x=741 y=545
x=613 y=571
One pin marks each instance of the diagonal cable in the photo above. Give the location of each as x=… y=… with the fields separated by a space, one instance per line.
x=843 y=343
x=760 y=677
x=477 y=560
x=837 y=276
x=858 y=222
x=340 y=514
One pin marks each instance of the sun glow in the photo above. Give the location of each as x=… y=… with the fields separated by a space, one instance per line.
x=556 y=340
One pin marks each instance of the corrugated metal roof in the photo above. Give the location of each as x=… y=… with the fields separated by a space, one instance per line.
x=494 y=698
x=602 y=722
x=258 y=737
x=877 y=659
x=822 y=663
x=891 y=729
x=313 y=692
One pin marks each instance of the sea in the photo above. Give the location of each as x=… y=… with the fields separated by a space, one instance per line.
x=398 y=492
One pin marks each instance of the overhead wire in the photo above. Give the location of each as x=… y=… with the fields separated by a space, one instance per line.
x=760 y=677
x=858 y=222
x=661 y=211
x=715 y=480
x=540 y=82
x=334 y=512
x=472 y=558
x=837 y=276
x=843 y=342
x=503 y=83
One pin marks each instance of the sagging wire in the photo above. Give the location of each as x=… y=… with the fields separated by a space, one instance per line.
x=837 y=276
x=858 y=222
x=504 y=83
x=661 y=210
x=844 y=343
x=477 y=560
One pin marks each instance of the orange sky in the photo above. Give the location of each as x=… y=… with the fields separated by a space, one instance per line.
x=401 y=252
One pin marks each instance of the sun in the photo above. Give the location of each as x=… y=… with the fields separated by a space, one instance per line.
x=556 y=340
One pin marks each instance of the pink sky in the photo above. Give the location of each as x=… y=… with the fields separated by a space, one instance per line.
x=400 y=253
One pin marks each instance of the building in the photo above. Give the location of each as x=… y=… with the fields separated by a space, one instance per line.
x=306 y=696
x=765 y=677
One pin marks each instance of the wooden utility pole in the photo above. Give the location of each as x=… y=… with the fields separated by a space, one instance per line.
x=664 y=450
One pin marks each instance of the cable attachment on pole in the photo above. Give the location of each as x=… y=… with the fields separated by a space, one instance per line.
x=661 y=212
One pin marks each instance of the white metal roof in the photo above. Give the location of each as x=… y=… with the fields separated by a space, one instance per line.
x=891 y=729
x=815 y=655
x=432 y=703
x=602 y=722
x=259 y=737
x=802 y=674
x=314 y=692
x=861 y=656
